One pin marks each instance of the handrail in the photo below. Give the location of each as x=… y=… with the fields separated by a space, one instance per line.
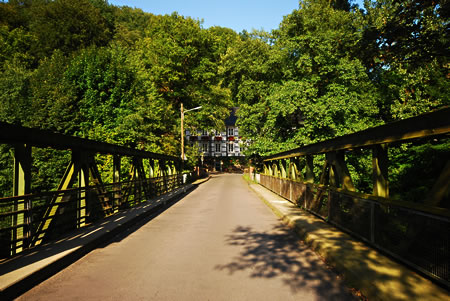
x=15 y=134
x=425 y=125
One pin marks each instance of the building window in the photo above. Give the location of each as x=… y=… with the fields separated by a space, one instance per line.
x=217 y=147
x=230 y=147
x=205 y=147
x=230 y=132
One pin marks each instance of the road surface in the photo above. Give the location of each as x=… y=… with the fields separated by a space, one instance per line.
x=220 y=242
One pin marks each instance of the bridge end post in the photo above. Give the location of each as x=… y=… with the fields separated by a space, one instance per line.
x=21 y=222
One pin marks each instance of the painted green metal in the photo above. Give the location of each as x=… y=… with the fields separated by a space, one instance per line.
x=426 y=125
x=380 y=170
x=282 y=167
x=117 y=186
x=340 y=171
x=309 y=178
x=82 y=169
x=21 y=186
x=81 y=190
x=14 y=134
x=81 y=183
x=66 y=182
x=335 y=171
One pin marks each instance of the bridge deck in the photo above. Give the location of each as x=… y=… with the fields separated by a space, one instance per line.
x=220 y=242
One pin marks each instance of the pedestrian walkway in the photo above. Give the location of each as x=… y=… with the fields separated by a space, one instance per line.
x=375 y=275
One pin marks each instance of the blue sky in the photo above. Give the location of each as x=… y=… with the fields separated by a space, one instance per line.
x=235 y=14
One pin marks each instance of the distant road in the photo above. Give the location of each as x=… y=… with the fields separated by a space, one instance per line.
x=220 y=242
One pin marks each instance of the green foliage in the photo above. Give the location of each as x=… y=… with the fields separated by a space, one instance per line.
x=118 y=74
x=67 y=25
x=130 y=25
x=6 y=170
x=15 y=92
x=48 y=168
x=303 y=84
x=414 y=169
x=53 y=101
x=103 y=85
x=405 y=50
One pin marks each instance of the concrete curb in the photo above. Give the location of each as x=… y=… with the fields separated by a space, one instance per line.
x=15 y=285
x=201 y=181
x=375 y=275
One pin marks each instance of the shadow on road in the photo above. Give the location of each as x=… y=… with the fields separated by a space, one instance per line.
x=278 y=253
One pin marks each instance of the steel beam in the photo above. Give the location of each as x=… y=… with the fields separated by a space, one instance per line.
x=426 y=125
x=116 y=179
x=14 y=134
x=380 y=171
x=309 y=177
x=83 y=183
x=67 y=180
x=21 y=186
x=340 y=171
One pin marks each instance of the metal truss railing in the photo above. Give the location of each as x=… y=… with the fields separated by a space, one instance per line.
x=419 y=239
x=22 y=229
x=416 y=233
x=29 y=219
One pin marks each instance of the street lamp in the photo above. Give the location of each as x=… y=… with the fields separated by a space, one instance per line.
x=182 y=128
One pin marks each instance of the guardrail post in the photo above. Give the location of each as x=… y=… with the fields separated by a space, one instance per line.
x=282 y=165
x=339 y=174
x=380 y=170
x=116 y=179
x=294 y=169
x=141 y=179
x=163 y=170
x=309 y=177
x=152 y=175
x=333 y=178
x=21 y=186
x=80 y=160
x=266 y=168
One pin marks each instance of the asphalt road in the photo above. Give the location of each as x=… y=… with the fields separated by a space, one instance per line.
x=220 y=242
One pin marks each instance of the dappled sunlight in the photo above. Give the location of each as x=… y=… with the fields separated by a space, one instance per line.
x=278 y=253
x=361 y=266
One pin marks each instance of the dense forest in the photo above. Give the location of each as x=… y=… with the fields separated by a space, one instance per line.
x=118 y=74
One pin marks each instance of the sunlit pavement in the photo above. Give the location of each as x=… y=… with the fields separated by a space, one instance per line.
x=220 y=242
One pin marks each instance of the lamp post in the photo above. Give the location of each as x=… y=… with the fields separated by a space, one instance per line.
x=182 y=128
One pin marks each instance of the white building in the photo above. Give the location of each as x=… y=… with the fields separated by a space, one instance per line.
x=214 y=146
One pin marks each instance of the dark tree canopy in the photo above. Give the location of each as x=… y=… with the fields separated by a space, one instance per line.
x=119 y=74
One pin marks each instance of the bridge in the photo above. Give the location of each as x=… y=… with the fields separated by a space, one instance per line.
x=155 y=233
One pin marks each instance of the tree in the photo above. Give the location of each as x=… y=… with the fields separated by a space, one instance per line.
x=130 y=25
x=67 y=25
x=15 y=92
x=52 y=99
x=311 y=87
x=176 y=63
x=405 y=49
x=103 y=84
